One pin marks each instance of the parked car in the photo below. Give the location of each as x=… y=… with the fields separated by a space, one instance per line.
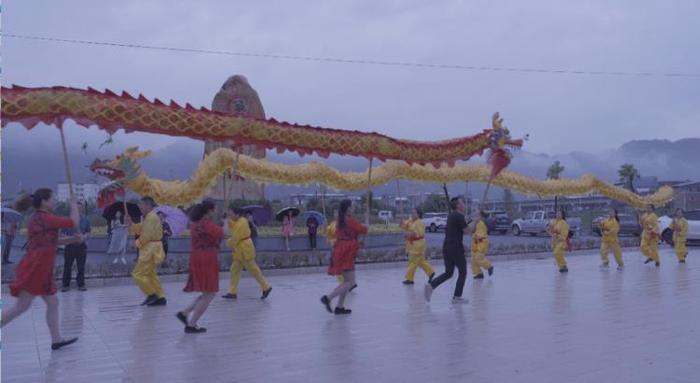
x=629 y=225
x=693 y=217
x=435 y=221
x=536 y=222
x=385 y=215
x=497 y=221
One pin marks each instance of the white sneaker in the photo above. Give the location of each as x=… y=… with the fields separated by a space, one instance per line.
x=428 y=292
x=459 y=301
x=114 y=262
x=124 y=260
x=620 y=268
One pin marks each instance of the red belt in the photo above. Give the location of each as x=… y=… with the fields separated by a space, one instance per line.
x=413 y=239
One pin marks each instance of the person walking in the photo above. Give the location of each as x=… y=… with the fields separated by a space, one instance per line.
x=414 y=230
x=151 y=254
x=312 y=228
x=559 y=230
x=649 y=243
x=680 y=235
x=243 y=254
x=76 y=252
x=480 y=247
x=609 y=229
x=204 y=265
x=348 y=229
x=453 y=252
x=34 y=273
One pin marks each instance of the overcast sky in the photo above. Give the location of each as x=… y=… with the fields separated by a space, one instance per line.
x=560 y=112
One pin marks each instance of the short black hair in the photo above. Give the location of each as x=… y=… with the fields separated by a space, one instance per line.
x=454 y=201
x=149 y=200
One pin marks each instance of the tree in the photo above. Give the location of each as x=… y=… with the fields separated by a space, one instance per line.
x=508 y=203
x=553 y=173
x=434 y=203
x=627 y=174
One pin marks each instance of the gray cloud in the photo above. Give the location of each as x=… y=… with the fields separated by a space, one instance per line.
x=561 y=112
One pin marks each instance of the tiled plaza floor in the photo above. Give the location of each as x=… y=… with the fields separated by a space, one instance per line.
x=526 y=324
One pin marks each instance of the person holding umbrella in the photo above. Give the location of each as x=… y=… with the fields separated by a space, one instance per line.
x=151 y=253
x=243 y=254
x=343 y=261
x=288 y=228
x=312 y=228
x=204 y=265
x=34 y=274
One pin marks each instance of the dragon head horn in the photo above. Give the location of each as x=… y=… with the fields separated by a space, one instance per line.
x=496 y=121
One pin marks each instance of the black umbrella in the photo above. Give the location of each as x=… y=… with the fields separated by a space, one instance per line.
x=261 y=214
x=282 y=213
x=111 y=211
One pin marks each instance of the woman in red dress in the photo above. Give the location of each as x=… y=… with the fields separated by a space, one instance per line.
x=34 y=274
x=204 y=265
x=343 y=260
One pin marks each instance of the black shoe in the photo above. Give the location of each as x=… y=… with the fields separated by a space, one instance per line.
x=182 y=318
x=327 y=302
x=266 y=293
x=149 y=300
x=158 y=302
x=648 y=260
x=353 y=287
x=65 y=289
x=407 y=282
x=230 y=296
x=194 y=330
x=681 y=261
x=490 y=271
x=66 y=342
x=658 y=264
x=479 y=276
x=341 y=311
x=82 y=288
x=564 y=270
x=430 y=278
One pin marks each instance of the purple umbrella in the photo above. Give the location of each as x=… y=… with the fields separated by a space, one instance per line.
x=176 y=218
x=261 y=214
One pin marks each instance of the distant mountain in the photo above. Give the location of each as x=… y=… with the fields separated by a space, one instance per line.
x=29 y=166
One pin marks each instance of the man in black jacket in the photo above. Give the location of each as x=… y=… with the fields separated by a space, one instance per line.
x=453 y=252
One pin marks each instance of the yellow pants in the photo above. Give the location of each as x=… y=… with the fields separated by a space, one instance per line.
x=340 y=278
x=252 y=268
x=650 y=248
x=415 y=261
x=146 y=277
x=558 y=252
x=479 y=262
x=681 y=250
x=606 y=246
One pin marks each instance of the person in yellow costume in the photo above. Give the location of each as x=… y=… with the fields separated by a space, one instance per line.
x=649 y=243
x=414 y=229
x=609 y=229
x=151 y=253
x=680 y=235
x=559 y=230
x=331 y=231
x=243 y=254
x=480 y=247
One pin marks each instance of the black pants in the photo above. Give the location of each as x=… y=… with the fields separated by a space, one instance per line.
x=312 y=240
x=453 y=258
x=74 y=252
x=6 y=247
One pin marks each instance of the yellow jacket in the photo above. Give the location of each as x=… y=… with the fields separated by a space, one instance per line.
x=480 y=239
x=559 y=231
x=330 y=233
x=610 y=229
x=680 y=228
x=650 y=224
x=240 y=242
x=415 y=236
x=150 y=233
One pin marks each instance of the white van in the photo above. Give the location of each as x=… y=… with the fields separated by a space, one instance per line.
x=385 y=215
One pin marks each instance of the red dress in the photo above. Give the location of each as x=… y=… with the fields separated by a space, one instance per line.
x=34 y=273
x=204 y=261
x=346 y=246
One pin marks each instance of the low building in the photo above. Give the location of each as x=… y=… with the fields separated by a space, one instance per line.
x=83 y=192
x=686 y=195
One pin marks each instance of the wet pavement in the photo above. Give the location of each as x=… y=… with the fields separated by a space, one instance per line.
x=527 y=323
